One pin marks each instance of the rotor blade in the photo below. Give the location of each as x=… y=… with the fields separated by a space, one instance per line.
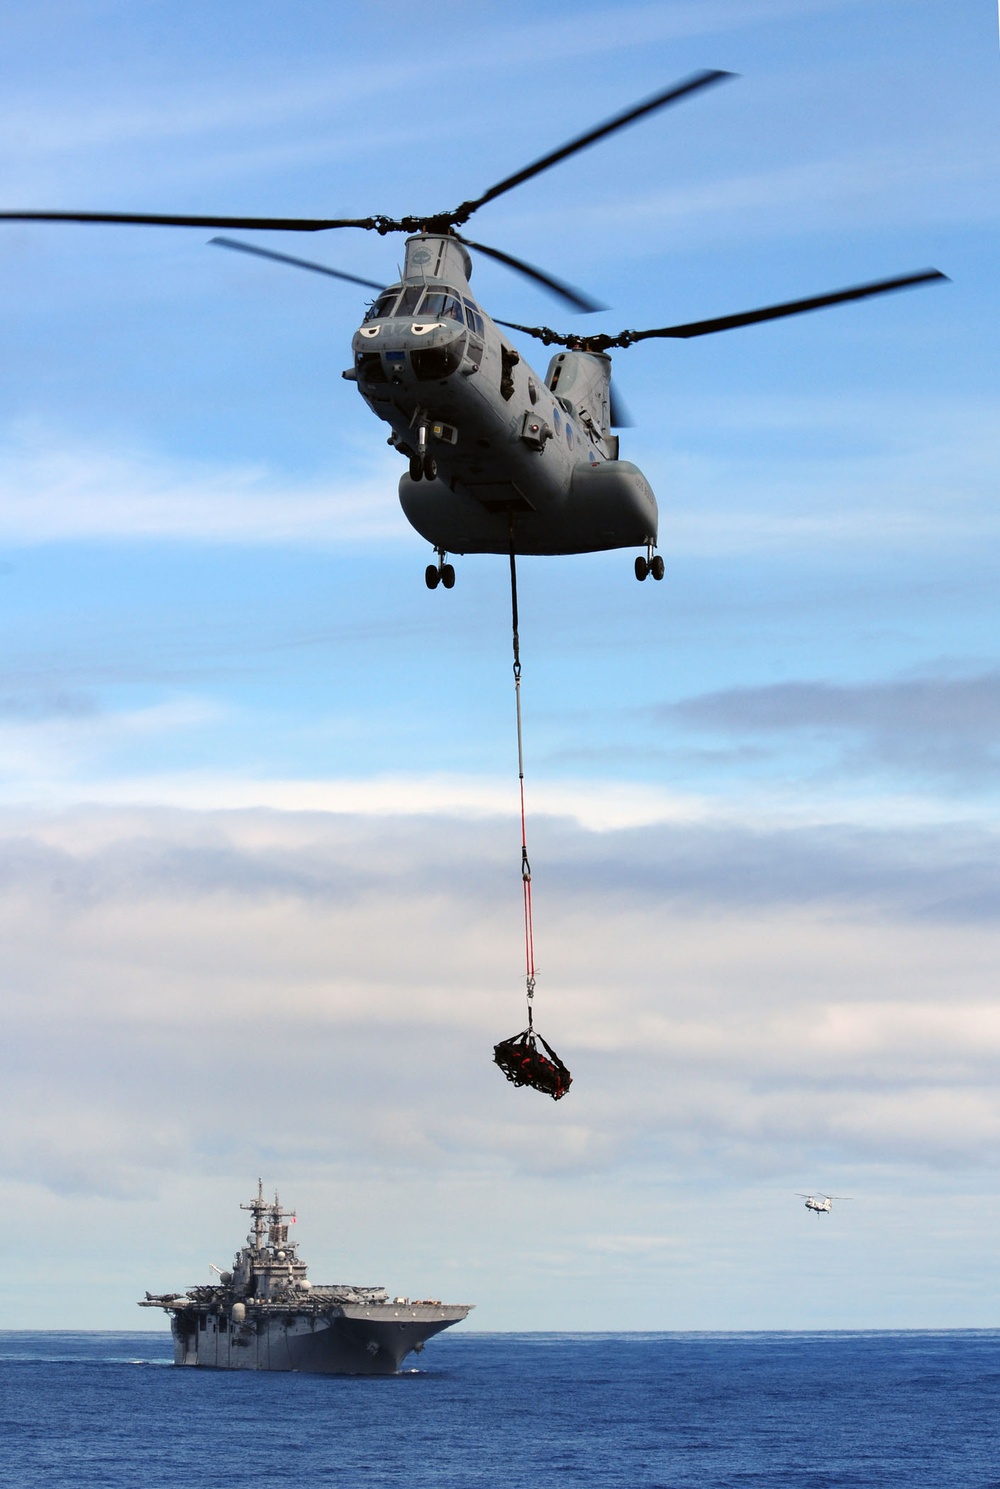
x=791 y=307
x=658 y=101
x=620 y=416
x=154 y=219
x=600 y=342
x=558 y=287
x=286 y=258
x=546 y=336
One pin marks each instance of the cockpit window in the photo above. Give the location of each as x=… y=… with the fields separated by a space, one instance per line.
x=442 y=305
x=382 y=308
x=409 y=300
x=435 y=304
x=475 y=320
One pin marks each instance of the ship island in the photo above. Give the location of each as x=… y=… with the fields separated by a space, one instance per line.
x=265 y=1314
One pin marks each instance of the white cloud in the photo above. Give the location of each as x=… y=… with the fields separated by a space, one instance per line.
x=91 y=115
x=908 y=471
x=192 y=996
x=153 y=953
x=45 y=743
x=60 y=779
x=940 y=727
x=890 y=473
x=50 y=490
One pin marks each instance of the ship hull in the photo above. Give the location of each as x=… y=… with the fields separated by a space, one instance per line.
x=351 y=1341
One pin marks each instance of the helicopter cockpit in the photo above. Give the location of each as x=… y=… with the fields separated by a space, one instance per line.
x=439 y=303
x=438 y=315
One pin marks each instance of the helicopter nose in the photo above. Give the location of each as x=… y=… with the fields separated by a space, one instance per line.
x=398 y=351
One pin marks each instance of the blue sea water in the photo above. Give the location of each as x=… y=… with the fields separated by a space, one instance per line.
x=510 y=1411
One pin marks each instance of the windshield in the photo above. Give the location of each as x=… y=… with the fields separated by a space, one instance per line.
x=442 y=305
x=409 y=300
x=382 y=308
x=435 y=304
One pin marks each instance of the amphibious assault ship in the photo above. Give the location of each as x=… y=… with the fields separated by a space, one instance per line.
x=266 y=1315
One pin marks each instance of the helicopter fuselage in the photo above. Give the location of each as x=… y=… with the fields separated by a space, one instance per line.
x=499 y=456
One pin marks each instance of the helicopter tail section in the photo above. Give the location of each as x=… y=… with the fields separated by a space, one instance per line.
x=612 y=504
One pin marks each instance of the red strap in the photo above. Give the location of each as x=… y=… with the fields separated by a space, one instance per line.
x=529 y=936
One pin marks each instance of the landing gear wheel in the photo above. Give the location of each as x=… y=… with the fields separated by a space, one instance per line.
x=432 y=576
x=657 y=567
x=448 y=576
x=416 y=468
x=430 y=468
x=641 y=568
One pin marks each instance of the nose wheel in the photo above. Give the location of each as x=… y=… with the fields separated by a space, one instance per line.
x=440 y=573
x=651 y=564
x=423 y=468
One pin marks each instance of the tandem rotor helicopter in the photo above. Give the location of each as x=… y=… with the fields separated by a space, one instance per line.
x=824 y=1204
x=499 y=459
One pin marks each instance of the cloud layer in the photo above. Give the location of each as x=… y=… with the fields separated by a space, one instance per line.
x=727 y=999
x=942 y=729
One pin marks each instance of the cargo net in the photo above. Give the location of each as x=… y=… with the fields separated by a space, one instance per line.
x=523 y=1063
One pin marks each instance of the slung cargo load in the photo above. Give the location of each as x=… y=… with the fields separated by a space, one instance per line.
x=524 y=1064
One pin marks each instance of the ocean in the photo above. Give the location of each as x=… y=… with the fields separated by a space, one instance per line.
x=509 y=1411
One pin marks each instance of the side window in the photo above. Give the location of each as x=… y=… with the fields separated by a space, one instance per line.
x=569 y=434
x=473 y=318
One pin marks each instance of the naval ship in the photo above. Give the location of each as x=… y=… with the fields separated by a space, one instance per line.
x=266 y=1315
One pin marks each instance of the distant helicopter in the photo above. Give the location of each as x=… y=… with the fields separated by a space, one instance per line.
x=499 y=459
x=824 y=1204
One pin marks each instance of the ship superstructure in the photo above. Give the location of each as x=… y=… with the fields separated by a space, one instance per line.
x=266 y=1315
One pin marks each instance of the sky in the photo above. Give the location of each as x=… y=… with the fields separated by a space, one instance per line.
x=259 y=850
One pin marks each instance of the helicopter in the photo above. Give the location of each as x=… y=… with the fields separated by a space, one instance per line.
x=499 y=459
x=824 y=1204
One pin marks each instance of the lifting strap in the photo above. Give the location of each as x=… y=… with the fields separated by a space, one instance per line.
x=529 y=937
x=519 y=1057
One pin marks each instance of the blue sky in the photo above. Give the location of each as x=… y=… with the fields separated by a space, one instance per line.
x=258 y=842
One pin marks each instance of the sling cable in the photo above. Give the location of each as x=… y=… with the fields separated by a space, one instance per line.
x=519 y=1057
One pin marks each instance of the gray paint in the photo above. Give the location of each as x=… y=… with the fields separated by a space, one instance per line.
x=510 y=445
x=266 y=1315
